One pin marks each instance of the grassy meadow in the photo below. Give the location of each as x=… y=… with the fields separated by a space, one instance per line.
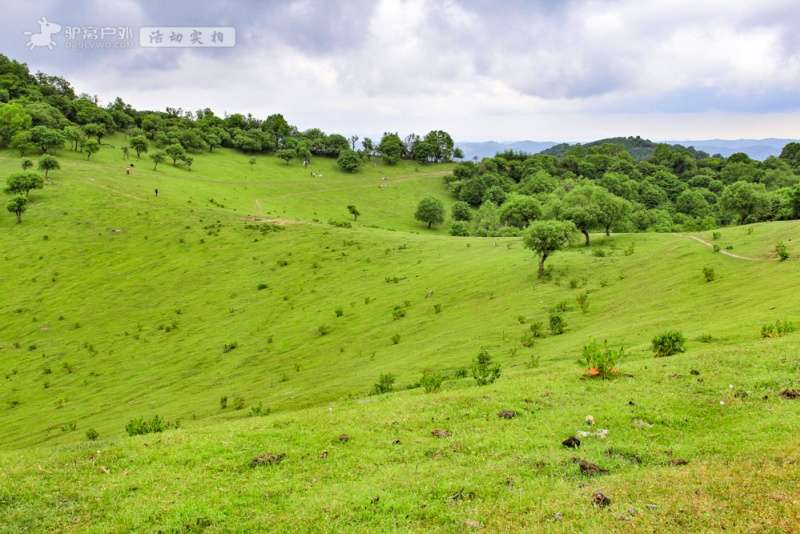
x=243 y=283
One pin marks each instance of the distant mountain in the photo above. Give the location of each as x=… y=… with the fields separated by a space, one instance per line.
x=758 y=149
x=488 y=149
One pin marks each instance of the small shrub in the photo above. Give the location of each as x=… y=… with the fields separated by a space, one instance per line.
x=521 y=319
x=431 y=382
x=630 y=250
x=339 y=311
x=716 y=235
x=561 y=307
x=136 y=427
x=398 y=313
x=259 y=411
x=223 y=402
x=323 y=329
x=396 y=339
x=583 y=301
x=777 y=329
x=261 y=286
x=716 y=248
x=599 y=253
x=484 y=372
x=229 y=347
x=705 y=338
x=599 y=360
x=385 y=384
x=238 y=403
x=461 y=373
x=437 y=308
x=709 y=274
x=534 y=362
x=92 y=434
x=557 y=324
x=527 y=339
x=780 y=250
x=668 y=343
x=69 y=427
x=282 y=263
x=573 y=283
x=537 y=329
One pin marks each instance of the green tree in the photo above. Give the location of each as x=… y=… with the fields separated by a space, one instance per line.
x=487 y=220
x=391 y=148
x=277 y=128
x=461 y=211
x=748 y=201
x=95 y=130
x=424 y=152
x=139 y=144
x=13 y=120
x=430 y=210
x=691 y=202
x=252 y=162
x=348 y=160
x=47 y=138
x=544 y=238
x=353 y=211
x=459 y=229
x=48 y=163
x=368 y=147
x=520 y=210
x=91 y=147
x=158 y=157
x=187 y=160
x=286 y=154
x=21 y=142
x=17 y=205
x=441 y=145
x=610 y=209
x=176 y=152
x=793 y=199
x=22 y=182
x=26 y=164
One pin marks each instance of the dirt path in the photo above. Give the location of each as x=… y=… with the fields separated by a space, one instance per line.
x=738 y=257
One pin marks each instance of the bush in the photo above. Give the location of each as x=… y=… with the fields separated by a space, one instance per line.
x=521 y=319
x=780 y=250
x=484 y=372
x=583 y=301
x=238 y=403
x=716 y=248
x=777 y=329
x=716 y=235
x=437 y=308
x=396 y=339
x=459 y=229
x=398 y=313
x=323 y=329
x=527 y=339
x=339 y=311
x=668 y=343
x=92 y=434
x=537 y=329
x=705 y=338
x=385 y=384
x=261 y=286
x=223 y=402
x=557 y=324
x=600 y=360
x=136 y=427
x=709 y=274
x=229 y=347
x=461 y=373
x=561 y=307
x=259 y=411
x=431 y=382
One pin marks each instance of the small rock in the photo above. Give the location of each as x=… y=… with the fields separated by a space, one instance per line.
x=790 y=393
x=600 y=433
x=631 y=512
x=590 y=469
x=642 y=423
x=571 y=442
x=598 y=499
x=507 y=414
x=323 y=454
x=694 y=372
x=473 y=524
x=267 y=458
x=343 y=438
x=558 y=516
x=622 y=517
x=676 y=375
x=439 y=433
x=651 y=506
x=678 y=461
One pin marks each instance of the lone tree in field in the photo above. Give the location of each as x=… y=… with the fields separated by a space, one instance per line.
x=251 y=161
x=22 y=182
x=176 y=152
x=546 y=237
x=353 y=211
x=90 y=147
x=158 y=157
x=17 y=206
x=47 y=164
x=139 y=144
x=348 y=160
x=26 y=164
x=430 y=210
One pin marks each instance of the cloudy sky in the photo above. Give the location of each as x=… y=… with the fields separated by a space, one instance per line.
x=571 y=70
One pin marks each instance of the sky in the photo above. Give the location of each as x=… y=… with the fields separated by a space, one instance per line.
x=570 y=70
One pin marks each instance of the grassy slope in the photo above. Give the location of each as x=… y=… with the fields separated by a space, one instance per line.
x=118 y=263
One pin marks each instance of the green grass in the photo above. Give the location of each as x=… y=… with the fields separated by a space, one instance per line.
x=131 y=305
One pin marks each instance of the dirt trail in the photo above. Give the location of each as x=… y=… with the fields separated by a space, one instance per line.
x=732 y=255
